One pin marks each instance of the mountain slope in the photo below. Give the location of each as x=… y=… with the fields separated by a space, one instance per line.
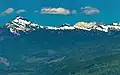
x=32 y=49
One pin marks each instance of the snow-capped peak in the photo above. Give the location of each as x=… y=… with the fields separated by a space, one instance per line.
x=21 y=24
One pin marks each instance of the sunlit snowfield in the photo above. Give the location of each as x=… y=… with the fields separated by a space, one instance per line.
x=49 y=52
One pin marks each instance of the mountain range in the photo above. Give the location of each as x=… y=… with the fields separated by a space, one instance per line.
x=86 y=48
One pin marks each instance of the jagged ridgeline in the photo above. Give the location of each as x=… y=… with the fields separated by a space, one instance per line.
x=86 y=48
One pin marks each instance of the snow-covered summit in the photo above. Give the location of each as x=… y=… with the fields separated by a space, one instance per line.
x=94 y=26
x=21 y=24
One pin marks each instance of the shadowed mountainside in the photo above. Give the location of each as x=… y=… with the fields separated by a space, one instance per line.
x=61 y=53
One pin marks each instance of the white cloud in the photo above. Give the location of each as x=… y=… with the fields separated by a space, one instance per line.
x=7 y=11
x=62 y=11
x=74 y=12
x=36 y=11
x=20 y=11
x=88 y=10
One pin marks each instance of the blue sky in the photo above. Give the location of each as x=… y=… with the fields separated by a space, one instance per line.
x=57 y=12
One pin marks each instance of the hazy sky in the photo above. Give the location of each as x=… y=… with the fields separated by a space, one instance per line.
x=57 y=12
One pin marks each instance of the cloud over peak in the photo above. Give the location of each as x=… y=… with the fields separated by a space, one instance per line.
x=74 y=12
x=12 y=10
x=20 y=11
x=7 y=11
x=59 y=10
x=88 y=10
